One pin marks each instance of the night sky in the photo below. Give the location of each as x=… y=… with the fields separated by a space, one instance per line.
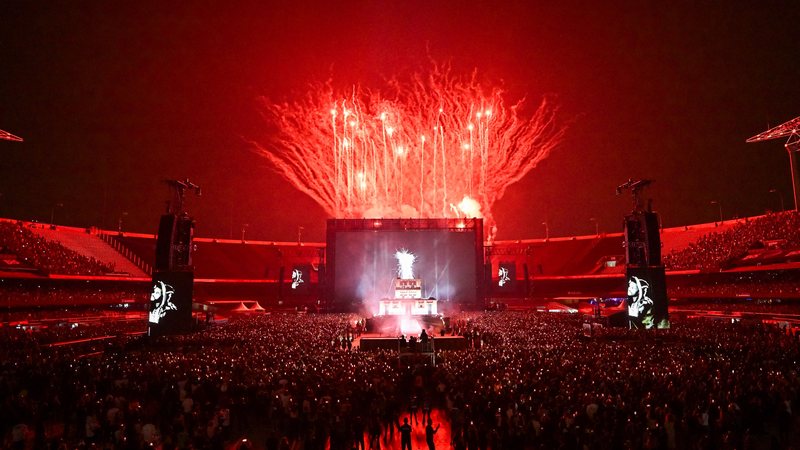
x=112 y=99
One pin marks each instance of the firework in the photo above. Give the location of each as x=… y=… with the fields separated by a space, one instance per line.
x=434 y=145
x=405 y=264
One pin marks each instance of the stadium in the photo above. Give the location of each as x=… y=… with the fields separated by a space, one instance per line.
x=77 y=296
x=412 y=225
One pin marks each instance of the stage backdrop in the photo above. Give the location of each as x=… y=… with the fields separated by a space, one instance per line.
x=366 y=266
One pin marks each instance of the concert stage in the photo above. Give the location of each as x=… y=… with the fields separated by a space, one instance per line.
x=380 y=342
x=403 y=267
x=394 y=326
x=407 y=307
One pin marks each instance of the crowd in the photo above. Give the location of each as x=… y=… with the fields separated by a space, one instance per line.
x=762 y=306
x=48 y=295
x=708 y=385
x=285 y=382
x=717 y=249
x=763 y=283
x=47 y=256
x=727 y=290
x=80 y=327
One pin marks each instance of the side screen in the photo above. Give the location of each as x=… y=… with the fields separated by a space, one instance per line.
x=299 y=279
x=170 y=308
x=647 y=298
x=506 y=275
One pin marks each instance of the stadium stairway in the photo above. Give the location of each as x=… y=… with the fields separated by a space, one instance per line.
x=91 y=245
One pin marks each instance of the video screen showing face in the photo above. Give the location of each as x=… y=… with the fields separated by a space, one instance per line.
x=368 y=262
x=506 y=275
x=299 y=279
x=647 y=298
x=170 y=308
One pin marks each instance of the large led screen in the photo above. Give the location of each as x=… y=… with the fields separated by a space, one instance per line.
x=170 y=303
x=506 y=275
x=647 y=298
x=367 y=264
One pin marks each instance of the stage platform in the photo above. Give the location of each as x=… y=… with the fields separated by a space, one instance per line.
x=369 y=342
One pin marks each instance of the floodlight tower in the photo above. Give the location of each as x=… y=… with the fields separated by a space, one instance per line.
x=790 y=129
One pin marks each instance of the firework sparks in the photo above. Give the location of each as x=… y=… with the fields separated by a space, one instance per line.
x=405 y=264
x=436 y=145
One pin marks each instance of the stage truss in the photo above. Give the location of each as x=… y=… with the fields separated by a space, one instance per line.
x=6 y=136
x=791 y=131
